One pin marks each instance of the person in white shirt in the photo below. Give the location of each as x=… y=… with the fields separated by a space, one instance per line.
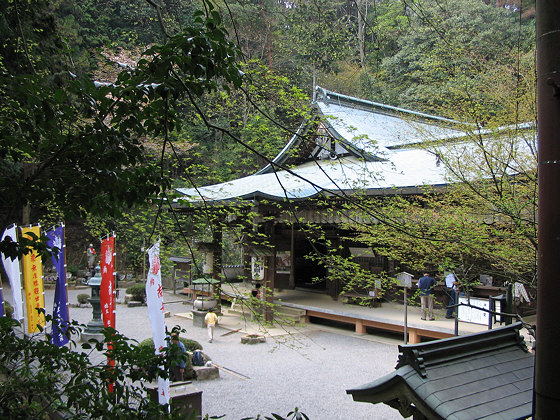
x=451 y=289
x=520 y=296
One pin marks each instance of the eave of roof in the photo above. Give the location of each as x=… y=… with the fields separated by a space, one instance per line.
x=409 y=170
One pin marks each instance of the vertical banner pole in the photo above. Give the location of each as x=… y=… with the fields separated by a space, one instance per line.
x=61 y=316
x=33 y=278
x=12 y=268
x=106 y=293
x=156 y=313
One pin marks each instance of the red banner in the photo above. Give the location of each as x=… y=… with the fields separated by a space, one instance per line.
x=107 y=291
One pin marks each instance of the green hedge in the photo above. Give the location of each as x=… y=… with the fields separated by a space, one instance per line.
x=190 y=346
x=82 y=298
x=138 y=292
x=9 y=310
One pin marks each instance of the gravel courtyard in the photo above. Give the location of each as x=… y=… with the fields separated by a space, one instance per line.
x=310 y=368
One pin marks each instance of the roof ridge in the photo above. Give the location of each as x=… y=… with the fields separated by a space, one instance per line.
x=329 y=96
x=423 y=355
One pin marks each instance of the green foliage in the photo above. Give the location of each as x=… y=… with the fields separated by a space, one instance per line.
x=138 y=292
x=190 y=345
x=68 y=141
x=452 y=231
x=258 y=121
x=82 y=298
x=41 y=380
x=8 y=309
x=72 y=269
x=448 y=48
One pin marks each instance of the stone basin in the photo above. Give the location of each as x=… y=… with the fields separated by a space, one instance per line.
x=252 y=339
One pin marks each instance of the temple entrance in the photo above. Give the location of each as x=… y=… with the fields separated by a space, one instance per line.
x=309 y=274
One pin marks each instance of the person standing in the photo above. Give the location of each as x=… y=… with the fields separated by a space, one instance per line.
x=210 y=319
x=90 y=252
x=178 y=365
x=426 y=285
x=451 y=289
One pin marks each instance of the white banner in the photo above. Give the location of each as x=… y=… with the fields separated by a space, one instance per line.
x=156 y=313
x=14 y=276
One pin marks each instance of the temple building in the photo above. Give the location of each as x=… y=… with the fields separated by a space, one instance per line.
x=293 y=208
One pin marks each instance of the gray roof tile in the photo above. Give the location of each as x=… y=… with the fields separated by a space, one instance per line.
x=484 y=375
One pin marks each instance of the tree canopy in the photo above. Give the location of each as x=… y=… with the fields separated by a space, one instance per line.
x=107 y=105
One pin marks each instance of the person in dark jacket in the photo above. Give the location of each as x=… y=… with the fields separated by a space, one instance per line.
x=178 y=365
x=426 y=285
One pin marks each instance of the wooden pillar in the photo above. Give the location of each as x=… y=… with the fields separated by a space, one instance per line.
x=546 y=398
x=269 y=274
x=217 y=261
x=360 y=328
x=292 y=281
x=413 y=337
x=333 y=286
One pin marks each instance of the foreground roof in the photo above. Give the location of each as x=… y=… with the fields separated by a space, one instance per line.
x=488 y=375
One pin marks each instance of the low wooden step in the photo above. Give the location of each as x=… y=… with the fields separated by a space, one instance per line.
x=295 y=314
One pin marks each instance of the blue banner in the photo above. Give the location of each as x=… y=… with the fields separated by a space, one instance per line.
x=1 y=303
x=61 y=316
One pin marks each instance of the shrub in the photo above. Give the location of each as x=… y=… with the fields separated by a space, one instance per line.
x=9 y=310
x=138 y=292
x=82 y=298
x=43 y=381
x=190 y=346
x=72 y=269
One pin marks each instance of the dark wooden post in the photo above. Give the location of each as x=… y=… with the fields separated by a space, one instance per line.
x=546 y=398
x=217 y=261
x=292 y=280
x=333 y=286
x=269 y=274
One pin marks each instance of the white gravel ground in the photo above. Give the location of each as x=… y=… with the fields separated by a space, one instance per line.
x=310 y=369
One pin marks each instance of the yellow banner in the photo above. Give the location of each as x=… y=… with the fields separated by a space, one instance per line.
x=33 y=281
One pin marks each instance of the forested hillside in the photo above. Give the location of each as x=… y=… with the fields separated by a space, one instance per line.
x=464 y=59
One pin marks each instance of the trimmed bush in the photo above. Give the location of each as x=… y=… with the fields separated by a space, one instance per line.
x=190 y=346
x=138 y=292
x=82 y=298
x=9 y=310
x=72 y=269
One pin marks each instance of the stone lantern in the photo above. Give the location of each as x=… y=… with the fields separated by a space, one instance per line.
x=95 y=326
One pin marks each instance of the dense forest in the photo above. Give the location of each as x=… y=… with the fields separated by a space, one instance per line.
x=99 y=96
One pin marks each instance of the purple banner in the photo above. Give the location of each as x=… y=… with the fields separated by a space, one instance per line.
x=61 y=316
x=1 y=303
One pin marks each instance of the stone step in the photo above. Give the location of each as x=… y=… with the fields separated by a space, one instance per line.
x=298 y=315
x=238 y=309
x=295 y=314
x=203 y=373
